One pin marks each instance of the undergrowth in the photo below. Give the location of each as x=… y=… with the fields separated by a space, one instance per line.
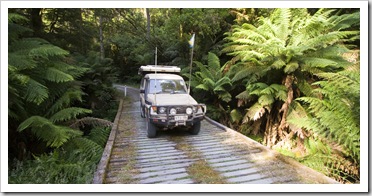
x=73 y=163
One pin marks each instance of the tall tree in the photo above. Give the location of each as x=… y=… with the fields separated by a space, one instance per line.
x=148 y=23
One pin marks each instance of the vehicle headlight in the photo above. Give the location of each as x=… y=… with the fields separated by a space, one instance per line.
x=162 y=110
x=173 y=111
x=188 y=111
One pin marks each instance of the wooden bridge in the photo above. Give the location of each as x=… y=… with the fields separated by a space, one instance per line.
x=217 y=155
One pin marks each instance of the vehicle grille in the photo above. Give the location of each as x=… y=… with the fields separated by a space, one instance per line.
x=181 y=109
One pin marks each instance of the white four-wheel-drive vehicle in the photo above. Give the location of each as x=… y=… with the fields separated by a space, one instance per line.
x=165 y=102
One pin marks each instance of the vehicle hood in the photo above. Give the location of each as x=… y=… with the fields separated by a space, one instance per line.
x=171 y=99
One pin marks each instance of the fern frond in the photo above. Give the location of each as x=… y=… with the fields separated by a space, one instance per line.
x=235 y=115
x=266 y=100
x=65 y=100
x=213 y=62
x=95 y=122
x=202 y=87
x=68 y=114
x=100 y=135
x=55 y=75
x=36 y=92
x=255 y=112
x=320 y=62
x=245 y=95
x=316 y=105
x=282 y=18
x=47 y=51
x=91 y=149
x=291 y=67
x=345 y=21
x=21 y=62
x=46 y=130
x=224 y=96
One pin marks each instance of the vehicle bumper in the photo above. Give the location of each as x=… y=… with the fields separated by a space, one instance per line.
x=170 y=123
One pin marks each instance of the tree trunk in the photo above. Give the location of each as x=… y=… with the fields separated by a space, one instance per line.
x=102 y=49
x=81 y=35
x=285 y=107
x=181 y=27
x=36 y=21
x=267 y=135
x=148 y=23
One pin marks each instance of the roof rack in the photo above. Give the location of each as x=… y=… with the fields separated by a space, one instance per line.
x=143 y=70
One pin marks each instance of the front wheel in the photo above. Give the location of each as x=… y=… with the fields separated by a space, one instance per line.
x=142 y=111
x=195 y=129
x=151 y=129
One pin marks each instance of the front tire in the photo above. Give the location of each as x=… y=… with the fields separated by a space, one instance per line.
x=142 y=111
x=195 y=129
x=151 y=129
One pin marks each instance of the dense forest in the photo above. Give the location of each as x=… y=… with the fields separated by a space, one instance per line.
x=288 y=78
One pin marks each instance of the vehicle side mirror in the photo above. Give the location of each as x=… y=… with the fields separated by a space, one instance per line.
x=142 y=90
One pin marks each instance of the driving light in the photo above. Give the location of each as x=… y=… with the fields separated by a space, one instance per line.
x=173 y=111
x=188 y=111
x=162 y=110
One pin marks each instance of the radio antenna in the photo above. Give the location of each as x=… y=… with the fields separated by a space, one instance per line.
x=156 y=62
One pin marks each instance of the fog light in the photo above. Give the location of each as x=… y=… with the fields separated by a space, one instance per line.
x=162 y=110
x=188 y=111
x=173 y=111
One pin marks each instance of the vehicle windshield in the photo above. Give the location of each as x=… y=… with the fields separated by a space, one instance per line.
x=166 y=86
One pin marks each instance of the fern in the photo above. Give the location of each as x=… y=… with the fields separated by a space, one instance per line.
x=65 y=100
x=92 y=151
x=99 y=135
x=302 y=55
x=336 y=111
x=68 y=114
x=46 y=130
x=35 y=92
x=96 y=122
x=210 y=78
x=47 y=51
x=55 y=75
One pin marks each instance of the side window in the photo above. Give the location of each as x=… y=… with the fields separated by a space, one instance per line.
x=142 y=85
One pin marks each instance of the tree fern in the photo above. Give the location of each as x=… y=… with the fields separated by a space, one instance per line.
x=338 y=111
x=35 y=92
x=68 y=114
x=47 y=51
x=55 y=75
x=95 y=122
x=99 y=135
x=47 y=131
x=294 y=50
x=210 y=78
x=68 y=97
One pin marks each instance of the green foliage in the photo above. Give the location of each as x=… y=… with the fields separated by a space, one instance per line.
x=73 y=163
x=212 y=85
x=68 y=114
x=49 y=169
x=46 y=130
x=282 y=60
x=210 y=79
x=51 y=82
x=265 y=96
x=337 y=112
x=44 y=106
